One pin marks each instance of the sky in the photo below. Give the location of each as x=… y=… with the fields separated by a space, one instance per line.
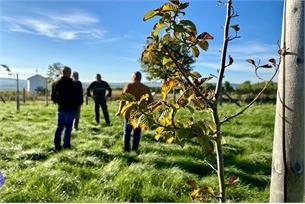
x=108 y=36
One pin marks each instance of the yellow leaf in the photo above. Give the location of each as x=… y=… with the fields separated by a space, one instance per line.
x=150 y=14
x=210 y=190
x=157 y=137
x=166 y=60
x=170 y=140
x=127 y=108
x=212 y=126
x=133 y=123
x=144 y=97
x=169 y=7
x=195 y=194
x=167 y=87
x=159 y=130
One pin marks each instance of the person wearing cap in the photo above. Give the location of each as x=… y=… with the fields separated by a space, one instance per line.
x=98 y=89
x=64 y=95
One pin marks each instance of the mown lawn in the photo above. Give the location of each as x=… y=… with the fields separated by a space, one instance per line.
x=97 y=170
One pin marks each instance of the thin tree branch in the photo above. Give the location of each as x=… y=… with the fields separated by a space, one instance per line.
x=251 y=103
x=186 y=77
x=224 y=52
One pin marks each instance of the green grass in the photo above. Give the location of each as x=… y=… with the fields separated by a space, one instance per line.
x=97 y=170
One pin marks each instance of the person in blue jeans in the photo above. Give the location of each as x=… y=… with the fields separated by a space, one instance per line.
x=137 y=89
x=64 y=95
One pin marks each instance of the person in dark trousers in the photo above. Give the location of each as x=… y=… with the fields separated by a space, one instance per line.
x=137 y=89
x=64 y=94
x=80 y=98
x=99 y=88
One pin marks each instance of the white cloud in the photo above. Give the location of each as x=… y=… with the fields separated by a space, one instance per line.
x=68 y=26
x=130 y=59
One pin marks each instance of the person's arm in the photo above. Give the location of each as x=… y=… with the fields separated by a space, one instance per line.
x=121 y=105
x=109 y=90
x=89 y=89
x=81 y=93
x=53 y=94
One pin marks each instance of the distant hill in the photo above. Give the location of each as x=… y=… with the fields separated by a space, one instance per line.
x=7 y=84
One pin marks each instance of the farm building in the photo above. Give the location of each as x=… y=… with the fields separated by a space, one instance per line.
x=35 y=82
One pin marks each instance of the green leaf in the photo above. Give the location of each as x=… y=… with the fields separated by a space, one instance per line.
x=195 y=75
x=184 y=5
x=195 y=51
x=183 y=133
x=178 y=28
x=204 y=45
x=211 y=191
x=144 y=122
x=235 y=27
x=176 y=2
x=127 y=97
x=150 y=14
x=190 y=25
x=191 y=109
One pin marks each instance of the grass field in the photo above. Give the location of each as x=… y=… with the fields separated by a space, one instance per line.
x=97 y=170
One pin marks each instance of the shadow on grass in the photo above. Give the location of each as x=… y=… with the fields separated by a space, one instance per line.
x=101 y=154
x=199 y=169
x=250 y=173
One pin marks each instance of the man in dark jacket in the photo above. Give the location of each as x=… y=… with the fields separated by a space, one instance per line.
x=64 y=94
x=99 y=88
x=80 y=99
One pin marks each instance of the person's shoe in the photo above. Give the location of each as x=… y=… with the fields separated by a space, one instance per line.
x=68 y=147
x=57 y=149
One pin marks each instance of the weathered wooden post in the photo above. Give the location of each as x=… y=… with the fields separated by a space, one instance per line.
x=47 y=93
x=23 y=95
x=287 y=179
x=17 y=94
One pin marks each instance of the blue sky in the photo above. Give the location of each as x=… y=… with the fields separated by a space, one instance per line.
x=107 y=37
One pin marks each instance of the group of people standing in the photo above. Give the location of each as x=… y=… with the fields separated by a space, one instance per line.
x=68 y=94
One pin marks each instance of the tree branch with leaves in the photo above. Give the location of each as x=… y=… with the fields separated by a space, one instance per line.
x=174 y=120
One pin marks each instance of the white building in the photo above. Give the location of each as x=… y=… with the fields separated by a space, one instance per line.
x=34 y=82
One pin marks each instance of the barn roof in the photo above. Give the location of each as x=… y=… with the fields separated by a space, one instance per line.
x=36 y=75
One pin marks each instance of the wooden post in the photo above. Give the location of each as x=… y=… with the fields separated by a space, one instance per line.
x=87 y=98
x=17 y=94
x=287 y=178
x=23 y=95
x=47 y=93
